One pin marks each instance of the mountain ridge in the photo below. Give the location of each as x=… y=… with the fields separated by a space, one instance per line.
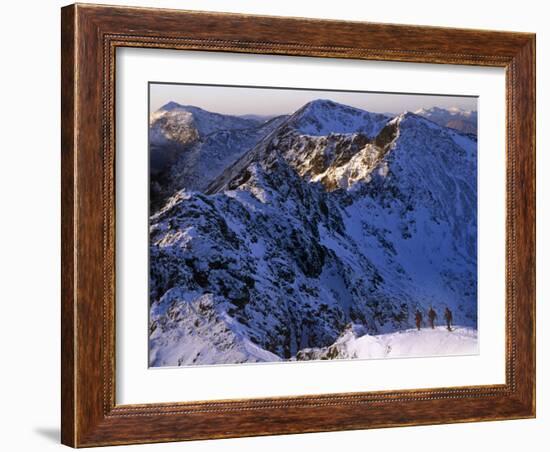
x=305 y=234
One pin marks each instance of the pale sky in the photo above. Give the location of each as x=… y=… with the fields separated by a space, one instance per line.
x=276 y=101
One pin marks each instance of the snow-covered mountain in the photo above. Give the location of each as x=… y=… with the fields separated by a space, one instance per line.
x=330 y=217
x=321 y=141
x=455 y=118
x=323 y=117
x=190 y=146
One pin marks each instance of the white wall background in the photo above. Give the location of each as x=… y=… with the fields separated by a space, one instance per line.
x=29 y=252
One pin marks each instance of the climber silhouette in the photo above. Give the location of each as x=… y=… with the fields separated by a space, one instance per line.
x=431 y=316
x=418 y=318
x=448 y=318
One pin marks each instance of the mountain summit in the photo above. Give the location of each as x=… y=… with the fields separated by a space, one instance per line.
x=322 y=117
x=190 y=146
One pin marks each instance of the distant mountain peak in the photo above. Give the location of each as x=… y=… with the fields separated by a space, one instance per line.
x=421 y=111
x=407 y=114
x=175 y=106
x=325 y=116
x=190 y=146
x=324 y=103
x=453 y=117
x=317 y=105
x=170 y=106
x=409 y=117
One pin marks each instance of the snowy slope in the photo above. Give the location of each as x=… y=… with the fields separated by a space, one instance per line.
x=416 y=218
x=190 y=146
x=306 y=234
x=355 y=343
x=187 y=336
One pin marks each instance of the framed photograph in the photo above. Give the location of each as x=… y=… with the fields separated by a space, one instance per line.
x=281 y=225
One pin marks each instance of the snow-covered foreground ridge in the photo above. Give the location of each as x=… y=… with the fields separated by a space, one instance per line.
x=354 y=343
x=271 y=238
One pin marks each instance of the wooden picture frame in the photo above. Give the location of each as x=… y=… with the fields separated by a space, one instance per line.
x=90 y=36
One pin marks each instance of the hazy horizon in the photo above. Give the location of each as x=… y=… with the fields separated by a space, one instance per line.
x=238 y=101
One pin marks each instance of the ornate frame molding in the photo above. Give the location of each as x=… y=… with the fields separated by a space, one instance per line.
x=90 y=37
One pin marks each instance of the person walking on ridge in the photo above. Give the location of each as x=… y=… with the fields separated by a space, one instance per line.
x=418 y=319
x=448 y=318
x=432 y=315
